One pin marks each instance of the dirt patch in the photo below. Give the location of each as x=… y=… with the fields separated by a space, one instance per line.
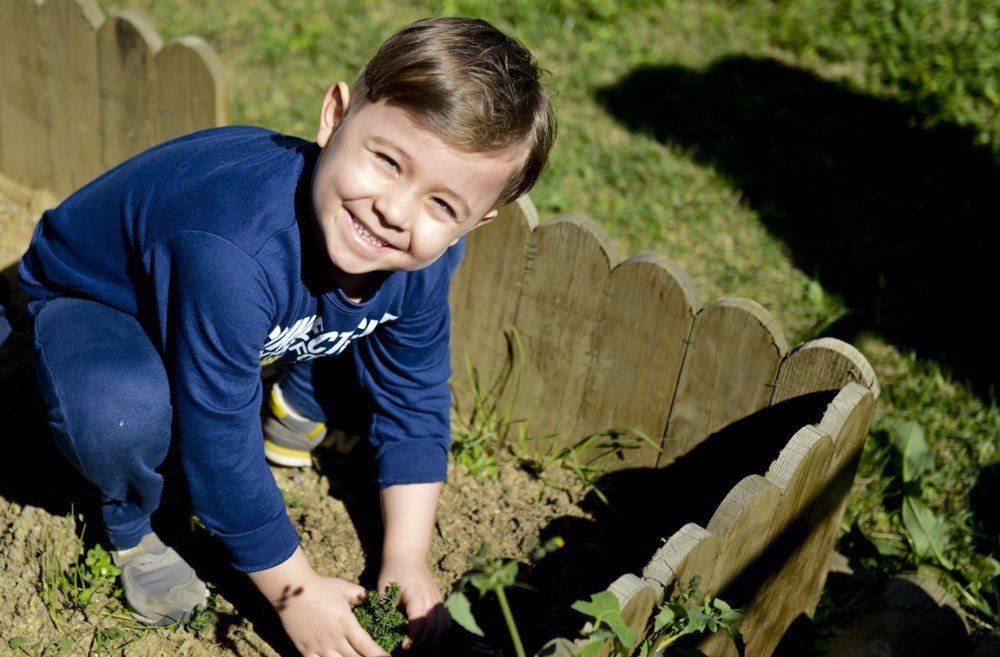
x=45 y=506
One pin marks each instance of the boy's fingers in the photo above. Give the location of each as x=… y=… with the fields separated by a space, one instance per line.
x=364 y=645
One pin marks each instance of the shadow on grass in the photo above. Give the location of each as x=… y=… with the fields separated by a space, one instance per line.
x=896 y=216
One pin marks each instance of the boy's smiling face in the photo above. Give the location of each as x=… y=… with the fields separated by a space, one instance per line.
x=391 y=195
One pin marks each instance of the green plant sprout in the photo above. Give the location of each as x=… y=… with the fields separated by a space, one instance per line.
x=204 y=617
x=75 y=586
x=477 y=442
x=489 y=574
x=939 y=546
x=681 y=615
x=291 y=500
x=380 y=616
x=582 y=457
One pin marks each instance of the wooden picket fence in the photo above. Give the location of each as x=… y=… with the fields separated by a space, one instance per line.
x=584 y=342
x=598 y=344
x=80 y=93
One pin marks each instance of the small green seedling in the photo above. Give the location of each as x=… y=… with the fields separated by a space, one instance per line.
x=685 y=612
x=490 y=574
x=204 y=617
x=380 y=616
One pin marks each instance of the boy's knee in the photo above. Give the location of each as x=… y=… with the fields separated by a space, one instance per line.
x=106 y=419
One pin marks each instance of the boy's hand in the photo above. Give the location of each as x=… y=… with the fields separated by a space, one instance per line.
x=421 y=599
x=316 y=610
x=408 y=515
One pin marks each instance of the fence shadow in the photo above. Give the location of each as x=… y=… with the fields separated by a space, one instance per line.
x=645 y=506
x=893 y=214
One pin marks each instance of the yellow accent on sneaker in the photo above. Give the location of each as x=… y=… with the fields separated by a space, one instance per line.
x=125 y=553
x=320 y=427
x=286 y=456
x=276 y=406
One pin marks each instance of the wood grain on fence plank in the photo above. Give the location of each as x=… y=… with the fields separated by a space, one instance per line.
x=190 y=89
x=647 y=320
x=690 y=551
x=727 y=374
x=68 y=47
x=126 y=46
x=560 y=320
x=484 y=296
x=744 y=524
x=24 y=117
x=823 y=364
x=799 y=473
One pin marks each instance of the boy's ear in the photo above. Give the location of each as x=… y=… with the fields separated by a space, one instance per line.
x=334 y=106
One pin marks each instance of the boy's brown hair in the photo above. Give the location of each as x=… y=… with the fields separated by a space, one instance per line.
x=471 y=84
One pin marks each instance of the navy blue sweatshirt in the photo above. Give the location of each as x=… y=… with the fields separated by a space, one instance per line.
x=210 y=241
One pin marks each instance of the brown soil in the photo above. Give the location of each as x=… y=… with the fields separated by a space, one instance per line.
x=43 y=503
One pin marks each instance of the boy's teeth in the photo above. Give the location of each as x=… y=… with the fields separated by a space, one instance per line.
x=368 y=237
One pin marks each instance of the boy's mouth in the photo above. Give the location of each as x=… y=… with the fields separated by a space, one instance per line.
x=365 y=235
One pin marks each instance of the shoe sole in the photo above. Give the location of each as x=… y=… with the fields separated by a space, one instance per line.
x=286 y=456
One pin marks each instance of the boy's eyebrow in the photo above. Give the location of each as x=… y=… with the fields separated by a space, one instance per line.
x=403 y=155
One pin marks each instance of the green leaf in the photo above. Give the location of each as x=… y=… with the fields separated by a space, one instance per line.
x=460 y=609
x=665 y=617
x=591 y=648
x=16 y=642
x=727 y=614
x=604 y=608
x=928 y=532
x=917 y=457
x=698 y=621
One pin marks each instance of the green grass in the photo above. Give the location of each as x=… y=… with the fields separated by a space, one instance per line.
x=727 y=179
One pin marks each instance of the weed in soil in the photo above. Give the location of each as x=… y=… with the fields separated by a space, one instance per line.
x=380 y=616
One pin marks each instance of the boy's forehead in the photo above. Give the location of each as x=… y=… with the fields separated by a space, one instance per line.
x=411 y=127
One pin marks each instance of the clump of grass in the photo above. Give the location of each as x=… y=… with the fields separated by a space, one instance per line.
x=91 y=575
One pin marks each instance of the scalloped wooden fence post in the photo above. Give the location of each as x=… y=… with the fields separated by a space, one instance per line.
x=728 y=372
x=191 y=92
x=559 y=318
x=79 y=94
x=126 y=45
x=811 y=473
x=68 y=50
x=25 y=118
x=646 y=322
x=484 y=297
x=691 y=550
x=823 y=364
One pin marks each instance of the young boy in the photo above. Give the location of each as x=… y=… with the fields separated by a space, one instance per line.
x=159 y=290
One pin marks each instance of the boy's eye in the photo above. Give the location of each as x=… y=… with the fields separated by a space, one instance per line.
x=444 y=206
x=387 y=161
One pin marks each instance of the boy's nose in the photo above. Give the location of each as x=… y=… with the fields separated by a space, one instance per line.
x=394 y=209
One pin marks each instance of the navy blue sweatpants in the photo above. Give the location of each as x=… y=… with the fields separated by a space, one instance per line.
x=108 y=402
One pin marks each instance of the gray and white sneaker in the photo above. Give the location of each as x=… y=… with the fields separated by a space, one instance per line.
x=290 y=438
x=160 y=587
